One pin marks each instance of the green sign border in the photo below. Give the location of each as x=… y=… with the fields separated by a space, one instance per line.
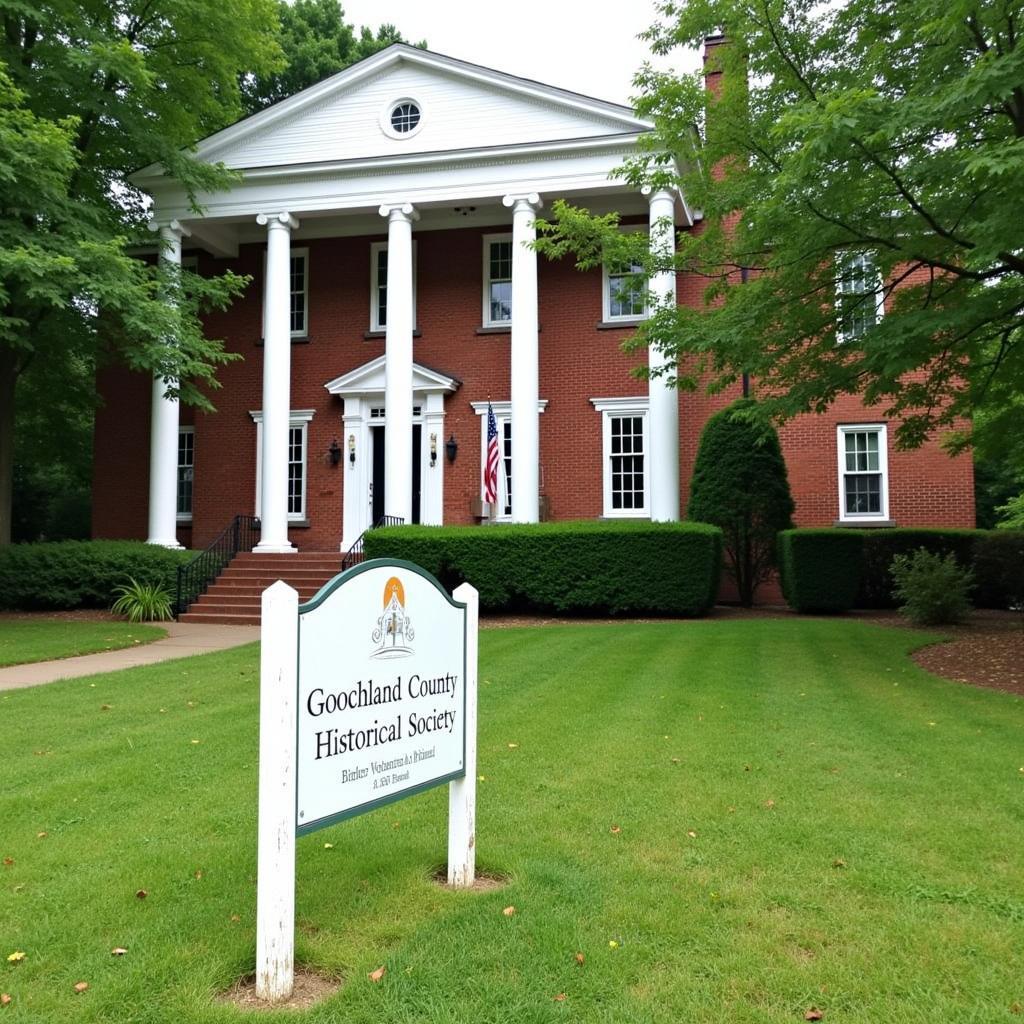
x=318 y=599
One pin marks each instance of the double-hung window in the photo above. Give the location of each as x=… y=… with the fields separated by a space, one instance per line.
x=379 y=285
x=298 y=458
x=859 y=301
x=863 y=473
x=624 y=291
x=298 y=292
x=503 y=419
x=186 y=470
x=625 y=446
x=497 y=307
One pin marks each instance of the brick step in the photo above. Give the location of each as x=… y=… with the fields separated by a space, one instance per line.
x=231 y=593
x=222 y=618
x=299 y=558
x=271 y=575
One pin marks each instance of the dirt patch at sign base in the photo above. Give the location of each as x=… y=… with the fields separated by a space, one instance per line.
x=310 y=988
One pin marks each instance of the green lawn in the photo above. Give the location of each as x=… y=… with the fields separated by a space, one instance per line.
x=26 y=640
x=806 y=820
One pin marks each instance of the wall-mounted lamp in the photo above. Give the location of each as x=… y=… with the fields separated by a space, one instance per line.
x=352 y=449
x=451 y=448
x=334 y=452
x=433 y=450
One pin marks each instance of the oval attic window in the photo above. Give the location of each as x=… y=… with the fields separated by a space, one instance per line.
x=405 y=116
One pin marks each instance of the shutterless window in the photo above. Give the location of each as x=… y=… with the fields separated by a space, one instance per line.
x=858 y=294
x=297 y=470
x=379 y=285
x=627 y=295
x=497 y=280
x=626 y=437
x=863 y=463
x=299 y=279
x=186 y=470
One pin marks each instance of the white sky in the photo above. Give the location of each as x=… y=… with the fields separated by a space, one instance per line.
x=589 y=47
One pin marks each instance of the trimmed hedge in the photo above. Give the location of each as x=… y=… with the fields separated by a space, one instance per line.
x=820 y=569
x=570 y=568
x=70 y=574
x=819 y=566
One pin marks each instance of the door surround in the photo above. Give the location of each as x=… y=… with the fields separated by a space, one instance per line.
x=362 y=391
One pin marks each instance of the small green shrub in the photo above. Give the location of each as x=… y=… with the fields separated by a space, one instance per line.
x=80 y=574
x=820 y=568
x=932 y=588
x=629 y=568
x=142 y=602
x=881 y=546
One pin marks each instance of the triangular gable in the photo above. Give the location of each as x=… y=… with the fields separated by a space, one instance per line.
x=464 y=106
x=369 y=378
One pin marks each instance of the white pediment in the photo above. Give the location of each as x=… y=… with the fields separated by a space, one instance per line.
x=369 y=379
x=462 y=106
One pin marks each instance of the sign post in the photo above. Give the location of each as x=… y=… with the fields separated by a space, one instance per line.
x=368 y=694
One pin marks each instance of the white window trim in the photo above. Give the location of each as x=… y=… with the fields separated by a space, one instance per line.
x=883 y=468
x=302 y=251
x=186 y=517
x=502 y=414
x=840 y=256
x=375 y=324
x=485 y=316
x=297 y=418
x=606 y=297
x=609 y=407
x=385 y=118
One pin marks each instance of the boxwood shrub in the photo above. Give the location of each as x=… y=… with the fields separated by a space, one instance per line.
x=820 y=569
x=80 y=574
x=818 y=566
x=570 y=568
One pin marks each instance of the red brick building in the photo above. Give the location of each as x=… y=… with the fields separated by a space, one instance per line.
x=383 y=216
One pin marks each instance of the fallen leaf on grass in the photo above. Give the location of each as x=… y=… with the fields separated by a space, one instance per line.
x=16 y=957
x=235 y=918
x=560 y=998
x=4 y=999
x=328 y=846
x=616 y=829
x=692 y=834
x=41 y=835
x=141 y=894
x=1016 y=1007
x=513 y=746
x=612 y=944
x=509 y=911
x=769 y=804
x=377 y=974
x=579 y=958
x=813 y=1014
x=195 y=741
x=106 y=707
x=118 y=951
x=839 y=863
x=81 y=986
x=198 y=874
x=8 y=861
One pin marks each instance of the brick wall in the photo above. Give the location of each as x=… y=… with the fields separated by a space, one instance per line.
x=577 y=362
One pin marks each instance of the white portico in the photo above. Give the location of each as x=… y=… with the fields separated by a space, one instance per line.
x=403 y=143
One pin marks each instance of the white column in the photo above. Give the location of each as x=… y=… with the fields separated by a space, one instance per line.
x=525 y=361
x=277 y=360
x=163 y=435
x=432 y=489
x=398 y=363
x=664 y=398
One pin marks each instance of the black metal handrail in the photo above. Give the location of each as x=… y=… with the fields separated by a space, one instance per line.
x=354 y=555
x=195 y=576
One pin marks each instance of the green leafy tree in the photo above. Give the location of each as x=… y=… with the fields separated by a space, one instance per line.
x=740 y=485
x=892 y=129
x=90 y=91
x=317 y=42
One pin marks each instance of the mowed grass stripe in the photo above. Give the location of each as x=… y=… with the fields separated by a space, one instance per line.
x=846 y=853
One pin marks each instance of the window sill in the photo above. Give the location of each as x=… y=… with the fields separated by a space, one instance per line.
x=304 y=340
x=496 y=329
x=374 y=335
x=620 y=325
x=868 y=523
x=617 y=517
x=184 y=523
x=298 y=524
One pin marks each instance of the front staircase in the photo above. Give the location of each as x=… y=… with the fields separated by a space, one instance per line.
x=234 y=597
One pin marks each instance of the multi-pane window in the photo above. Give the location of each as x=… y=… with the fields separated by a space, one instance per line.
x=186 y=469
x=299 y=284
x=858 y=294
x=405 y=117
x=497 y=280
x=625 y=447
x=297 y=458
x=862 y=473
x=625 y=292
x=296 y=470
x=503 y=418
x=627 y=462
x=379 y=286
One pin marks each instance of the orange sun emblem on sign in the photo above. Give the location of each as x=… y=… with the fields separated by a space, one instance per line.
x=394 y=589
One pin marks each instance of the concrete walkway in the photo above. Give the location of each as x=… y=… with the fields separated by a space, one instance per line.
x=182 y=640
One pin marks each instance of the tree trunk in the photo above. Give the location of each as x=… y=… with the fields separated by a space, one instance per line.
x=8 y=379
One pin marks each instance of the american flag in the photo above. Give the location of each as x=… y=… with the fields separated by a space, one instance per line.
x=491 y=462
